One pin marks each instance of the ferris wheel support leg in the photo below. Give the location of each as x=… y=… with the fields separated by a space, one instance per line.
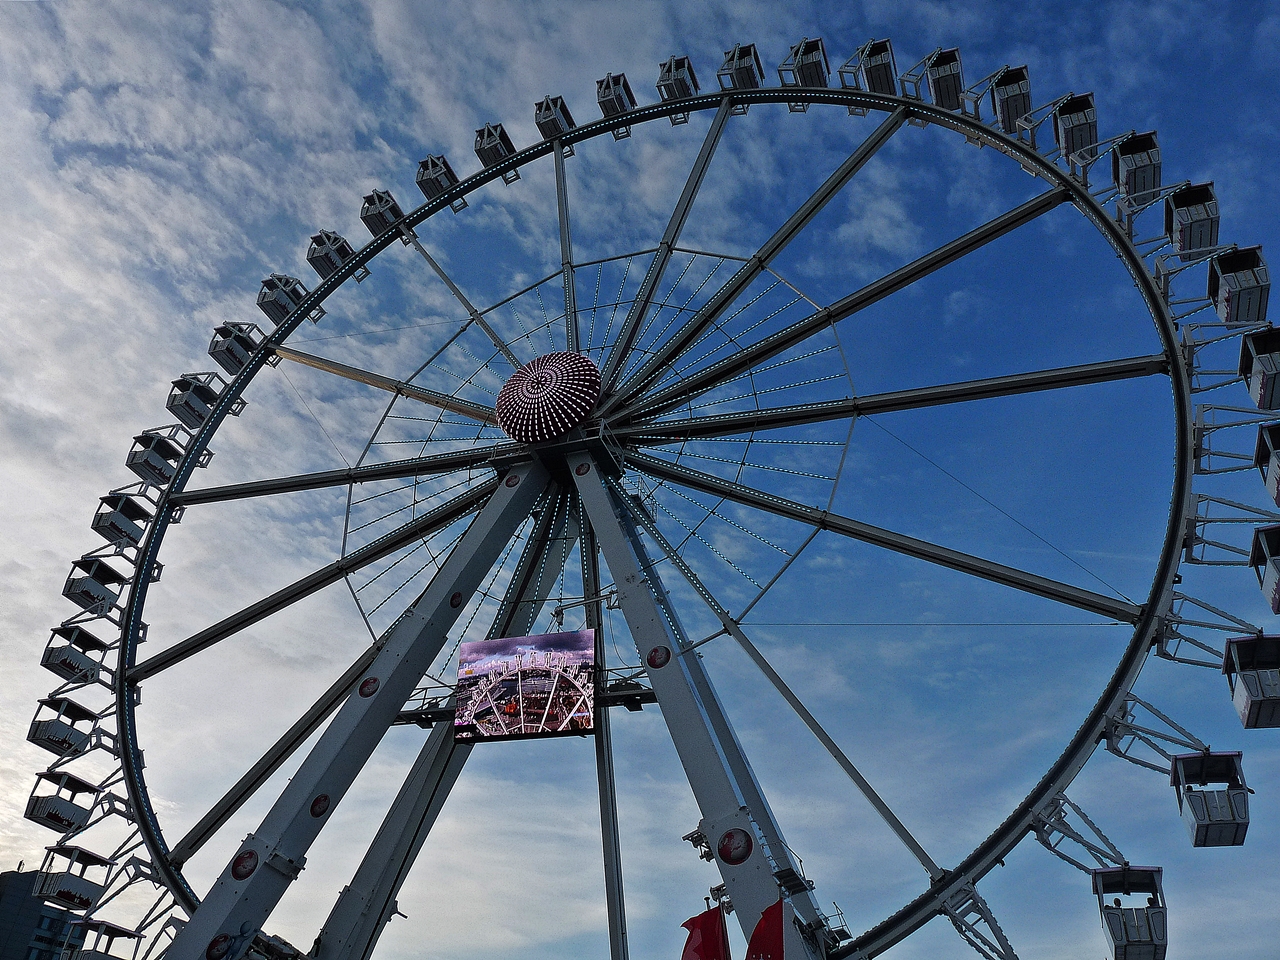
x=728 y=795
x=368 y=903
x=612 y=848
x=270 y=859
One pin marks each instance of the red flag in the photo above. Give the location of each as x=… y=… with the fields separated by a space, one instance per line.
x=708 y=939
x=766 y=938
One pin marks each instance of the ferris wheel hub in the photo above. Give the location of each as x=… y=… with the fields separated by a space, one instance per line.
x=548 y=396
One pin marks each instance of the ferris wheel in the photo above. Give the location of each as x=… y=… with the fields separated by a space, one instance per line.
x=646 y=444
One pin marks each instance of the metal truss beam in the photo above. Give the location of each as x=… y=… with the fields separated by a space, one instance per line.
x=367 y=904
x=270 y=858
x=475 y=411
x=540 y=563
x=718 y=771
x=914 y=399
x=428 y=523
x=899 y=543
x=395 y=470
x=689 y=333
x=632 y=325
x=741 y=360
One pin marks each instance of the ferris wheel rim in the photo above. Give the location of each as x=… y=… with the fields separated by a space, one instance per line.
x=1081 y=745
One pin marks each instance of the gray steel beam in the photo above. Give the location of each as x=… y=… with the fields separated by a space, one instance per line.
x=634 y=321
x=540 y=563
x=714 y=763
x=734 y=630
x=566 y=253
x=1064 y=593
x=270 y=761
x=801 y=414
x=615 y=901
x=272 y=856
x=689 y=333
x=476 y=411
x=368 y=903
x=425 y=525
x=746 y=358
x=395 y=470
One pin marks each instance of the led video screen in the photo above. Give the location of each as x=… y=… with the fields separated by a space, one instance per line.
x=520 y=687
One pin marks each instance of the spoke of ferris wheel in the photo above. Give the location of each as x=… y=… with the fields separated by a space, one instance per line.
x=343 y=748
x=434 y=520
x=706 y=317
x=717 y=373
x=476 y=411
x=615 y=902
x=472 y=312
x=724 y=424
x=436 y=463
x=888 y=539
x=270 y=761
x=566 y=252
x=634 y=321
x=734 y=630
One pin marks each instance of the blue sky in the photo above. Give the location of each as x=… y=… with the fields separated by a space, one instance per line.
x=160 y=161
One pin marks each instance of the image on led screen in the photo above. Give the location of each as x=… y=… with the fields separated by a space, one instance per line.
x=518 y=687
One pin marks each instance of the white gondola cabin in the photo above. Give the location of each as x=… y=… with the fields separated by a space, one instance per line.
x=379 y=212
x=55 y=802
x=1191 y=219
x=121 y=519
x=1252 y=666
x=1135 y=918
x=1075 y=127
x=155 y=454
x=1260 y=367
x=72 y=877
x=1011 y=97
x=741 y=70
x=328 y=253
x=871 y=68
x=193 y=395
x=806 y=66
x=100 y=938
x=613 y=94
x=676 y=81
x=62 y=726
x=435 y=176
x=1264 y=557
x=1266 y=457
x=553 y=119
x=493 y=145
x=234 y=343
x=74 y=654
x=93 y=584
x=879 y=69
x=1239 y=286
x=1212 y=797
x=279 y=296
x=1135 y=166
x=945 y=78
